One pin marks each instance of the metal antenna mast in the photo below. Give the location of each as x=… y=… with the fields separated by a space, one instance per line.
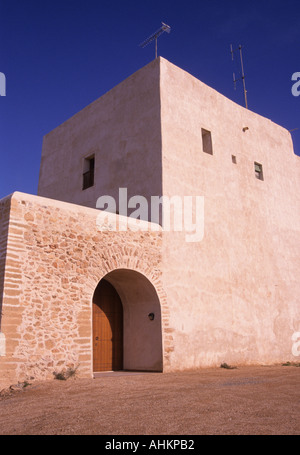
x=155 y=35
x=243 y=75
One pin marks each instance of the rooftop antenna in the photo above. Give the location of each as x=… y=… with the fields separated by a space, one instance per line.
x=155 y=35
x=243 y=75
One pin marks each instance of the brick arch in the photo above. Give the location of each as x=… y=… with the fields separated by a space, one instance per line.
x=131 y=259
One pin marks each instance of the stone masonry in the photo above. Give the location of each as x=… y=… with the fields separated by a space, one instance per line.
x=55 y=259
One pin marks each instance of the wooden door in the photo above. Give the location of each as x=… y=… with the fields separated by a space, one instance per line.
x=107 y=328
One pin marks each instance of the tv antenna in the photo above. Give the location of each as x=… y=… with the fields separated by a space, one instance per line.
x=155 y=35
x=242 y=76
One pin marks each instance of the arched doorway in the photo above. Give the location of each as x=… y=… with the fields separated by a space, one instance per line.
x=127 y=317
x=107 y=328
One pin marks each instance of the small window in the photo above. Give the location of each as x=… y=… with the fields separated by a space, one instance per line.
x=258 y=171
x=206 y=141
x=88 y=172
x=233 y=158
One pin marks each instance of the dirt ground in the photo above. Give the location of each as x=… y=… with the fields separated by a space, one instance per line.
x=263 y=400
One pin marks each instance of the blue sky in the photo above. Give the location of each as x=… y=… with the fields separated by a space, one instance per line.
x=59 y=56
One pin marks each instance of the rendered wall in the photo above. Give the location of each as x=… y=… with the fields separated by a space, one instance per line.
x=122 y=130
x=55 y=257
x=234 y=296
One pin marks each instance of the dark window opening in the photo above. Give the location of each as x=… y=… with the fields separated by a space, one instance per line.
x=88 y=172
x=258 y=171
x=233 y=158
x=206 y=141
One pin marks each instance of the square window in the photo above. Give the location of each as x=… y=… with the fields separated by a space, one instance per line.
x=258 y=171
x=206 y=141
x=88 y=172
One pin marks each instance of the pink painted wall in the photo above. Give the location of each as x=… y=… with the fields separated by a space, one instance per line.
x=234 y=296
x=122 y=130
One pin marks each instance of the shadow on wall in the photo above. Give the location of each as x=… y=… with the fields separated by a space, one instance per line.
x=4 y=222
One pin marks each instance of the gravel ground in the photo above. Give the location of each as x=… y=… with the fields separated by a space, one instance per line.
x=261 y=400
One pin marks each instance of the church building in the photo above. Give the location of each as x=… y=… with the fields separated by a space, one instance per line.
x=164 y=237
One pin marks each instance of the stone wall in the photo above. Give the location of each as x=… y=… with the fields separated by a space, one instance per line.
x=4 y=216
x=55 y=258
